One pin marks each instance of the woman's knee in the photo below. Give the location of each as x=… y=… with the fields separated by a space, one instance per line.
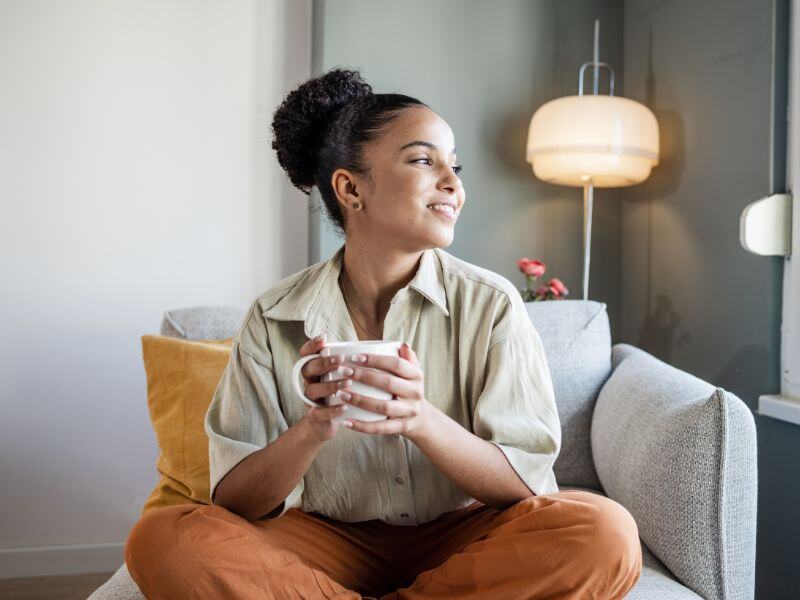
x=612 y=536
x=604 y=533
x=153 y=536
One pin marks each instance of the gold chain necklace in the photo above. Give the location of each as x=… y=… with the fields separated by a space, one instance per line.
x=350 y=310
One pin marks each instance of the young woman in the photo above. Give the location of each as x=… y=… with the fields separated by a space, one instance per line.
x=453 y=495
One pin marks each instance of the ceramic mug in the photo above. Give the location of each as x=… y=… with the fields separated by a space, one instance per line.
x=388 y=348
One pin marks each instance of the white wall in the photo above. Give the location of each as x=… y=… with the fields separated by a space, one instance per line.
x=136 y=175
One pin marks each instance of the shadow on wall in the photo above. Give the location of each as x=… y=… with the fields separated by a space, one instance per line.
x=659 y=333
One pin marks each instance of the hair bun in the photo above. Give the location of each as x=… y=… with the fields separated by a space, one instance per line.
x=301 y=120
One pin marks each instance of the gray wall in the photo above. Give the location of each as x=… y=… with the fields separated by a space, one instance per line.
x=485 y=67
x=691 y=295
x=666 y=256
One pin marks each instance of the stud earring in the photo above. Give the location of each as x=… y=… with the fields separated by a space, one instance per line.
x=356 y=204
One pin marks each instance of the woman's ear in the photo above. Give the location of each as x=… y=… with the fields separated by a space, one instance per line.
x=346 y=190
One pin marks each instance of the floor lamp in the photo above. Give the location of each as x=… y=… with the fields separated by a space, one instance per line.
x=592 y=140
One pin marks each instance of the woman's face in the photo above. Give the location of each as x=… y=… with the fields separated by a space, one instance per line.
x=411 y=169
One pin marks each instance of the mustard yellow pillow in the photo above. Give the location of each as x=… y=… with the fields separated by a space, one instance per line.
x=181 y=379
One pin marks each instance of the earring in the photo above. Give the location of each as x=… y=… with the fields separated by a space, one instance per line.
x=356 y=204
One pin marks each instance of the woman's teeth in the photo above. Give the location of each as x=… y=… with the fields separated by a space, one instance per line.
x=442 y=207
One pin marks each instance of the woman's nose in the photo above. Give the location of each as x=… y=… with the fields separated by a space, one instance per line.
x=450 y=181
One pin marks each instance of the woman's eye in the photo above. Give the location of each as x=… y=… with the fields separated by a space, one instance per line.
x=456 y=168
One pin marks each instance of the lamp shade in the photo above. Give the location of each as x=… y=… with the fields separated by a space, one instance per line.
x=608 y=140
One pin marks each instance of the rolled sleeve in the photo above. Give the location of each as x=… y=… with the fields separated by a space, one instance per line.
x=244 y=415
x=516 y=409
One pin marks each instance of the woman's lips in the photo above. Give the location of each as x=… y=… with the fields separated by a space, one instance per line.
x=450 y=216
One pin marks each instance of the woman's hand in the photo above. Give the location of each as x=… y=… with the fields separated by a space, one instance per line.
x=401 y=376
x=318 y=420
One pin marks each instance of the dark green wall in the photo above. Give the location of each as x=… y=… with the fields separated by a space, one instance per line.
x=691 y=295
x=666 y=256
x=486 y=67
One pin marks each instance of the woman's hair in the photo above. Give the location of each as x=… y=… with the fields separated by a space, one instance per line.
x=324 y=124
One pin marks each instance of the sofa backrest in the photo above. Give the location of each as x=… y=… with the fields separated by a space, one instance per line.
x=202 y=322
x=577 y=342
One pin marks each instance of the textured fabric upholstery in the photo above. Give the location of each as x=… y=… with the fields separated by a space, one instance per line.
x=680 y=455
x=120 y=586
x=202 y=322
x=577 y=341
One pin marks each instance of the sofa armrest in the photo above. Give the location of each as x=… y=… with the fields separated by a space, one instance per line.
x=680 y=455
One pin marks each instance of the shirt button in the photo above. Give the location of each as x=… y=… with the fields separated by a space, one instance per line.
x=399 y=479
x=404 y=515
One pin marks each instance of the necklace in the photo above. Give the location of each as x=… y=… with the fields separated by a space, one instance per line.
x=350 y=310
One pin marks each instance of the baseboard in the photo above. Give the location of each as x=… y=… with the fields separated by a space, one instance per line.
x=70 y=559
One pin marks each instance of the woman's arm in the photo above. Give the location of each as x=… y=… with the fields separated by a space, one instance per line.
x=282 y=463
x=476 y=466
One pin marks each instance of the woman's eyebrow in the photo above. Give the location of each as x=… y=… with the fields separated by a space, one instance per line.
x=421 y=143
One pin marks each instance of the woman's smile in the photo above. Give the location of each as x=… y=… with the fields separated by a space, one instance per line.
x=446 y=211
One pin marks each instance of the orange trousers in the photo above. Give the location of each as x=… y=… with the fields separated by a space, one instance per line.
x=573 y=544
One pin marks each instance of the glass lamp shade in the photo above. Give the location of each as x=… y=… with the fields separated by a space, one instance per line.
x=604 y=140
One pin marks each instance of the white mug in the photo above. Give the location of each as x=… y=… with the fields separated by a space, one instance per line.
x=388 y=348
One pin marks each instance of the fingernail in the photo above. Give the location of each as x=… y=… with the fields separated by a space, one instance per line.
x=343 y=395
x=359 y=358
x=344 y=371
x=347 y=423
x=344 y=383
x=343 y=407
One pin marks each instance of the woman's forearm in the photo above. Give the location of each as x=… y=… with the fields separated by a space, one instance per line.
x=476 y=466
x=260 y=483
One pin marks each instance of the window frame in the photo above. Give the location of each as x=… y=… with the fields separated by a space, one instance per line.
x=786 y=405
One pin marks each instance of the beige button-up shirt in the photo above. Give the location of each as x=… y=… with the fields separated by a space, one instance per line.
x=484 y=366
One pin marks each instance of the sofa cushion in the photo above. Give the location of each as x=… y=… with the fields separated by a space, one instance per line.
x=202 y=322
x=181 y=379
x=680 y=455
x=577 y=342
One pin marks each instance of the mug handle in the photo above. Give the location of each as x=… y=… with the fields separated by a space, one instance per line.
x=296 y=384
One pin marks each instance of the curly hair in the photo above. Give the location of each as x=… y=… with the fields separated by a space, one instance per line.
x=324 y=124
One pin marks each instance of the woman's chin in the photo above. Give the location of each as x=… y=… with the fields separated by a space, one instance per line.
x=442 y=239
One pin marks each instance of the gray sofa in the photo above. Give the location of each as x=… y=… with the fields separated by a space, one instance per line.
x=677 y=452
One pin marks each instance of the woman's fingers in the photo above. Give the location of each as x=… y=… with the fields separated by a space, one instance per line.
x=313 y=345
x=320 y=366
x=324 y=389
x=390 y=408
x=394 y=364
x=326 y=413
x=404 y=388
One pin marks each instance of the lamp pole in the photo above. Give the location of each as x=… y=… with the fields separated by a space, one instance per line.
x=588 y=186
x=588 y=193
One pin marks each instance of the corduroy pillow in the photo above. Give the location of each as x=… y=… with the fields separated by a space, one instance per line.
x=182 y=377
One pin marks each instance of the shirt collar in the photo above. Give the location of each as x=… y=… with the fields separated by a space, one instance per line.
x=317 y=296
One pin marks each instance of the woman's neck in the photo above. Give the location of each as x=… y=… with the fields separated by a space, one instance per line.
x=374 y=277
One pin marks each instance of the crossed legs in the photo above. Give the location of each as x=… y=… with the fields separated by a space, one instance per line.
x=573 y=544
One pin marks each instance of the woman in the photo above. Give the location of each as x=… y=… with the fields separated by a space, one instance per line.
x=452 y=496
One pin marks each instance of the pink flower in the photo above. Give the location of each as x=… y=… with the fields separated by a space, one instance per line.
x=542 y=291
x=531 y=267
x=557 y=287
